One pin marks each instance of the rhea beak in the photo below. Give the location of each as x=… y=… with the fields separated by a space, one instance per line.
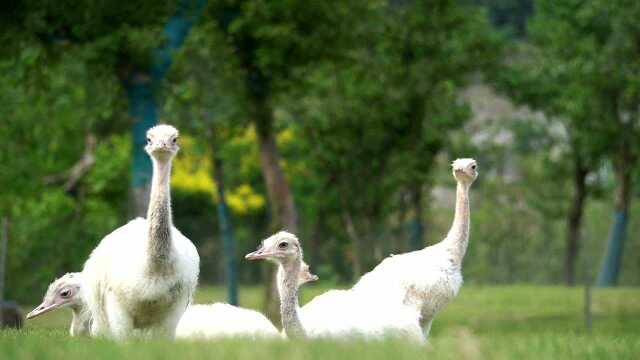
x=44 y=308
x=258 y=255
x=162 y=148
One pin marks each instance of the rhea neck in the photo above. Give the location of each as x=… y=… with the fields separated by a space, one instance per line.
x=80 y=321
x=458 y=236
x=159 y=212
x=288 y=273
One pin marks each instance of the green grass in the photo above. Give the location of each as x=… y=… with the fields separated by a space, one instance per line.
x=511 y=322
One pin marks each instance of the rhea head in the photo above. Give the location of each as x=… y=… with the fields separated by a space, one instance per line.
x=465 y=170
x=162 y=142
x=63 y=292
x=281 y=247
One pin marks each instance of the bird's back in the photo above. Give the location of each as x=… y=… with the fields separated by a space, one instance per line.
x=346 y=314
x=223 y=320
x=425 y=279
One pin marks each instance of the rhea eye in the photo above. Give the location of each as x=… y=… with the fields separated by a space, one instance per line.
x=65 y=293
x=283 y=245
x=148 y=141
x=473 y=167
x=175 y=140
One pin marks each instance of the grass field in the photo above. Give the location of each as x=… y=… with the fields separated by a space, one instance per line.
x=512 y=322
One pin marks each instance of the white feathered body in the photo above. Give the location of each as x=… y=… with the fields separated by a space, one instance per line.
x=345 y=314
x=399 y=297
x=423 y=280
x=125 y=297
x=221 y=320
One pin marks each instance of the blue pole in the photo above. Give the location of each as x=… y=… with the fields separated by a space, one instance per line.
x=142 y=108
x=226 y=232
x=415 y=234
x=613 y=257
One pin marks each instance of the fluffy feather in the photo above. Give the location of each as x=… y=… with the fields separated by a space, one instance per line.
x=336 y=313
x=403 y=294
x=223 y=320
x=119 y=289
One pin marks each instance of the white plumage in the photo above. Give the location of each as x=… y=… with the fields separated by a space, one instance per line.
x=426 y=280
x=400 y=296
x=141 y=277
x=197 y=322
x=342 y=314
x=336 y=313
x=224 y=320
x=121 y=294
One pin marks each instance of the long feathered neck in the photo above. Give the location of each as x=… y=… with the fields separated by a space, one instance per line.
x=458 y=236
x=80 y=321
x=288 y=274
x=159 y=214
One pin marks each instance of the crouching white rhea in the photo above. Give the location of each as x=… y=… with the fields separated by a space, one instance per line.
x=224 y=320
x=198 y=321
x=66 y=292
x=337 y=314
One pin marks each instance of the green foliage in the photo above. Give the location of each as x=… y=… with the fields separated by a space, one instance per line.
x=367 y=106
x=51 y=107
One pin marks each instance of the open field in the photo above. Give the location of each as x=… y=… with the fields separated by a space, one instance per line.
x=513 y=322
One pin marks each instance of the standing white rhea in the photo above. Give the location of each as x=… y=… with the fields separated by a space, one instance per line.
x=141 y=277
x=66 y=292
x=426 y=280
x=342 y=315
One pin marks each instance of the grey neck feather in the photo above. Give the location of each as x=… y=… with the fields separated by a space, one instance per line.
x=159 y=216
x=288 y=274
x=458 y=236
x=80 y=321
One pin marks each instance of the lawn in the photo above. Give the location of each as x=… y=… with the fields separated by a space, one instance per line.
x=511 y=322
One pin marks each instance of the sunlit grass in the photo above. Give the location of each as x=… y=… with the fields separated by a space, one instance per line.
x=511 y=322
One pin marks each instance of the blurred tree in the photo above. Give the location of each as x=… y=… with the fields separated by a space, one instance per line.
x=56 y=223
x=404 y=80
x=538 y=77
x=431 y=75
x=269 y=40
x=578 y=40
x=59 y=60
x=141 y=83
x=511 y=15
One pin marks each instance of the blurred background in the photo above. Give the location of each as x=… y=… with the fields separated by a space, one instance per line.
x=336 y=120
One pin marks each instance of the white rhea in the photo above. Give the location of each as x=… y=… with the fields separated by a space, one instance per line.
x=141 y=277
x=222 y=320
x=342 y=316
x=401 y=296
x=428 y=279
x=66 y=292
x=198 y=321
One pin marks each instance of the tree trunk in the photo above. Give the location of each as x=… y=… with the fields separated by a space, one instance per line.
x=283 y=211
x=416 y=231
x=623 y=169
x=574 y=221
x=357 y=245
x=4 y=238
x=314 y=240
